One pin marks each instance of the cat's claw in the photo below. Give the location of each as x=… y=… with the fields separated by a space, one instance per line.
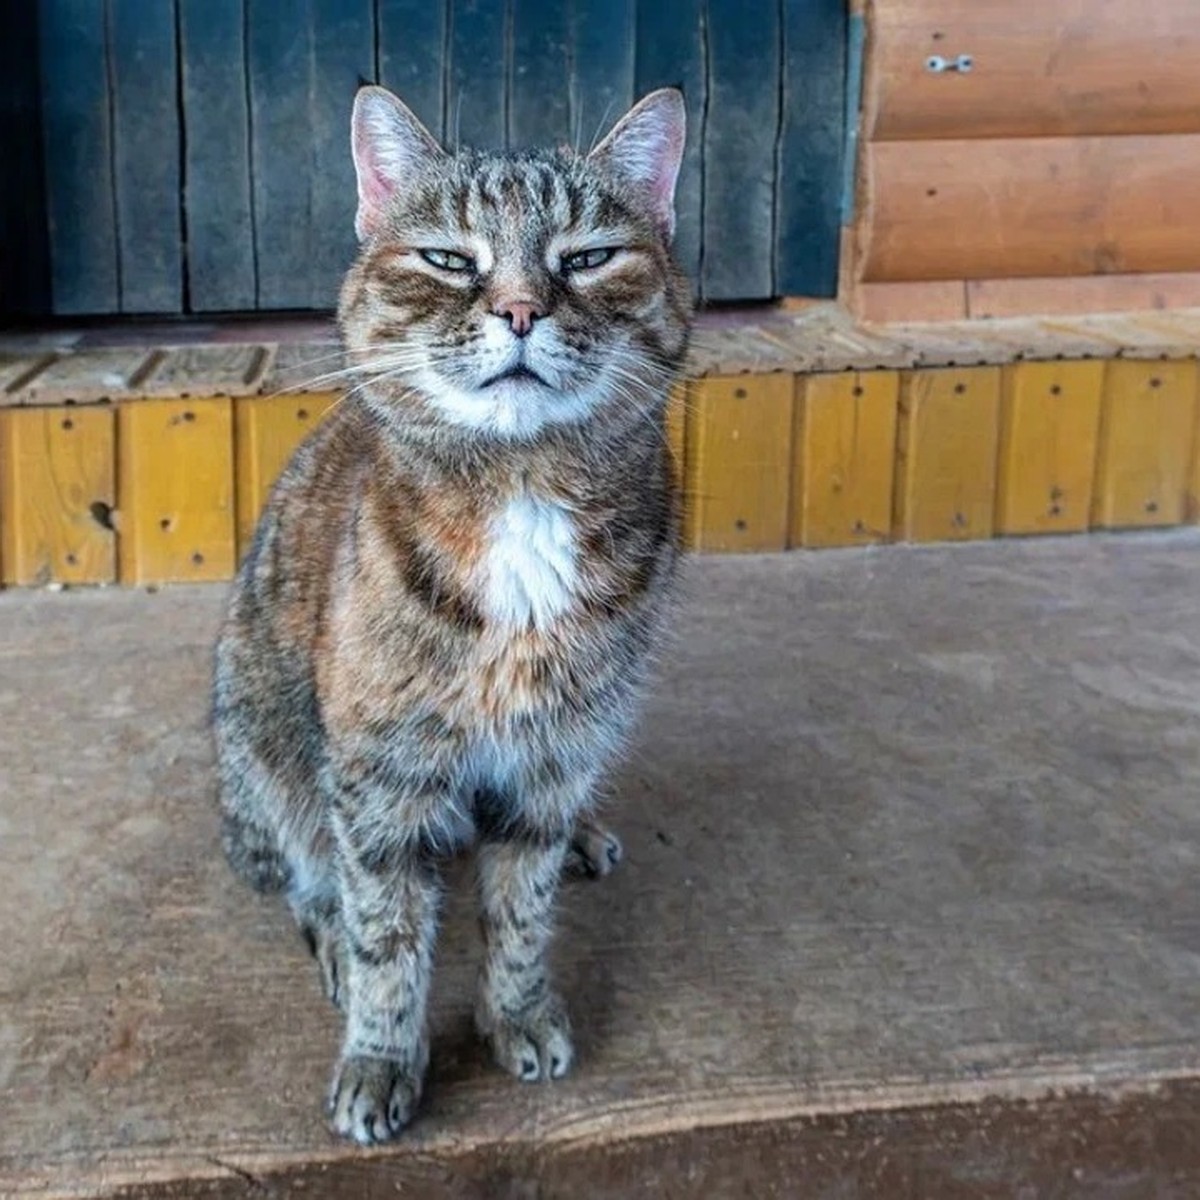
x=372 y=1099
x=536 y=1046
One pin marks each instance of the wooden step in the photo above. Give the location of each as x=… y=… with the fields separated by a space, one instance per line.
x=150 y=463
x=908 y=909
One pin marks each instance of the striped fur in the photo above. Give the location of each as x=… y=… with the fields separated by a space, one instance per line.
x=440 y=632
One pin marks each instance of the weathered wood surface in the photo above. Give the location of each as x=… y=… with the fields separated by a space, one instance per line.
x=1032 y=206
x=819 y=338
x=1067 y=68
x=218 y=200
x=911 y=845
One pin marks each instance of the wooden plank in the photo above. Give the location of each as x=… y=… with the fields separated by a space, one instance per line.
x=25 y=261
x=1071 y=68
x=741 y=126
x=77 y=143
x=935 y=300
x=1049 y=422
x=175 y=484
x=1042 y=206
x=671 y=53
x=306 y=58
x=267 y=431
x=845 y=446
x=88 y=376
x=219 y=370
x=342 y=57
x=603 y=48
x=412 y=39
x=1147 y=427
x=811 y=144
x=739 y=433
x=946 y=443
x=57 y=472
x=146 y=137
x=222 y=271
x=540 y=89
x=477 y=68
x=1079 y=294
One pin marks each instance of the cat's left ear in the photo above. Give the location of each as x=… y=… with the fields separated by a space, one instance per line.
x=645 y=149
x=389 y=145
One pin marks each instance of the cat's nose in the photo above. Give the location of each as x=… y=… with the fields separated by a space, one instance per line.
x=520 y=315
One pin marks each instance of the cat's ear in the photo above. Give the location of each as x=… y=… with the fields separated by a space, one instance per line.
x=644 y=150
x=389 y=145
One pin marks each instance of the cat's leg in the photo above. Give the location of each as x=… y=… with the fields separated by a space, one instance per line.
x=389 y=905
x=252 y=849
x=520 y=862
x=594 y=850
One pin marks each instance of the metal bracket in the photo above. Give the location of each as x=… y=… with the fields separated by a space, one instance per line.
x=937 y=65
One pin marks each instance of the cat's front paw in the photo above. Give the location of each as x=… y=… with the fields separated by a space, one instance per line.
x=534 y=1046
x=594 y=851
x=372 y=1099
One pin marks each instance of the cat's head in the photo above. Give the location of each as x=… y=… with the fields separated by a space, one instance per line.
x=502 y=294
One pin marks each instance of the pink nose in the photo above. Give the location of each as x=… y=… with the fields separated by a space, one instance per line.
x=520 y=314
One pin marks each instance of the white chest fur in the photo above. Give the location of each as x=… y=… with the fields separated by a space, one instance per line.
x=530 y=567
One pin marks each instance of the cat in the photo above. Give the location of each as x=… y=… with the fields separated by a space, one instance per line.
x=440 y=632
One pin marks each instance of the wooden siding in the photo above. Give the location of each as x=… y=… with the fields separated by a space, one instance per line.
x=1057 y=175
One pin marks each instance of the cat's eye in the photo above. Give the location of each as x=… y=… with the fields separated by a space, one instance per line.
x=448 y=260
x=585 y=260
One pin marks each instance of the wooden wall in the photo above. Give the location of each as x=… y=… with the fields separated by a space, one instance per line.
x=1061 y=173
x=197 y=157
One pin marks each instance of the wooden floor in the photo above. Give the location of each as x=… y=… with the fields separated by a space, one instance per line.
x=909 y=908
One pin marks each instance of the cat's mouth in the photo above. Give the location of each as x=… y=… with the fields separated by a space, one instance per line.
x=519 y=373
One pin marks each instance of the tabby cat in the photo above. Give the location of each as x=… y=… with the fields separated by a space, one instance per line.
x=439 y=634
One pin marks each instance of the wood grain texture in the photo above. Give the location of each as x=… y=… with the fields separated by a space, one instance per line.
x=478 y=74
x=539 y=105
x=77 y=143
x=412 y=37
x=812 y=139
x=741 y=125
x=946 y=455
x=144 y=83
x=222 y=271
x=1038 y=206
x=306 y=58
x=175 y=488
x=1147 y=431
x=1071 y=68
x=934 y=300
x=1049 y=423
x=603 y=47
x=672 y=52
x=267 y=430
x=1077 y=294
x=845 y=445
x=57 y=490
x=738 y=477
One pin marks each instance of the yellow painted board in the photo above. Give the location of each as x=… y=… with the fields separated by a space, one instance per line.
x=1147 y=426
x=267 y=431
x=175 y=489
x=946 y=441
x=58 y=474
x=739 y=433
x=845 y=449
x=1049 y=425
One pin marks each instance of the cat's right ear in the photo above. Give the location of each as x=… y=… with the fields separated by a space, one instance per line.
x=389 y=145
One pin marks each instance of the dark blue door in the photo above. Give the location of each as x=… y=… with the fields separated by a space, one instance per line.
x=191 y=156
